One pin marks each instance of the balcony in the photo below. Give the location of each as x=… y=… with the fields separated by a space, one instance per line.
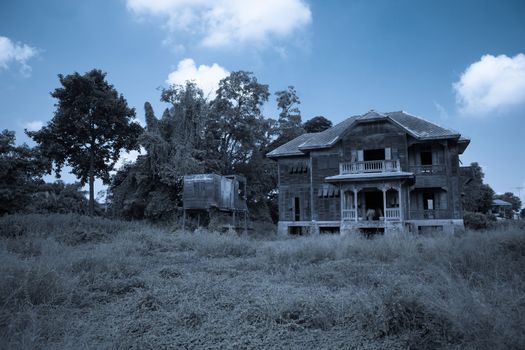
x=370 y=166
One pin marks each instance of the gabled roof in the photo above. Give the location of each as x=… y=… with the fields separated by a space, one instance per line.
x=421 y=128
x=417 y=127
x=291 y=148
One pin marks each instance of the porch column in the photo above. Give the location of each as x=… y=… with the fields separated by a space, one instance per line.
x=355 y=203
x=343 y=201
x=400 y=203
x=384 y=202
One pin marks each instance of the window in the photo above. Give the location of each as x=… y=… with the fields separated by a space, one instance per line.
x=299 y=167
x=428 y=201
x=327 y=190
x=374 y=154
x=426 y=157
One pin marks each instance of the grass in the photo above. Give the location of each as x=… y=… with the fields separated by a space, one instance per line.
x=74 y=282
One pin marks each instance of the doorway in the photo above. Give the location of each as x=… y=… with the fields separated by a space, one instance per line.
x=297 y=209
x=373 y=204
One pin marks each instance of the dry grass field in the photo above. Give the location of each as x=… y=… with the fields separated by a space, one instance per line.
x=75 y=282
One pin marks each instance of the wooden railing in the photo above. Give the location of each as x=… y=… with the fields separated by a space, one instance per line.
x=349 y=214
x=392 y=214
x=371 y=166
x=435 y=169
x=430 y=214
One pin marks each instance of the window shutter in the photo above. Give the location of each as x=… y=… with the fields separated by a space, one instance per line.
x=353 y=156
x=388 y=153
x=360 y=155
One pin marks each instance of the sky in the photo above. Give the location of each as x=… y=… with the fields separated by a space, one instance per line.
x=459 y=64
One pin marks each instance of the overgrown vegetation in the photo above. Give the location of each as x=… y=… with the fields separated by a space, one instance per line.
x=71 y=281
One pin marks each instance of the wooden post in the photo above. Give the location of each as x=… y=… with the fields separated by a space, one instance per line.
x=384 y=203
x=184 y=219
x=343 y=201
x=355 y=203
x=233 y=217
x=400 y=204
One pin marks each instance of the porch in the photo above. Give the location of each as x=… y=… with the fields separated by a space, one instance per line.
x=372 y=204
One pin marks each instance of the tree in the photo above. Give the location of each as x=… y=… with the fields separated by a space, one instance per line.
x=317 y=124
x=288 y=125
x=151 y=187
x=236 y=127
x=21 y=169
x=477 y=196
x=91 y=126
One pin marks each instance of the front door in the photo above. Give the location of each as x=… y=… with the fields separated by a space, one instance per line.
x=373 y=205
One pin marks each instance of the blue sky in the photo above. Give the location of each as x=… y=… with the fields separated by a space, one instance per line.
x=460 y=64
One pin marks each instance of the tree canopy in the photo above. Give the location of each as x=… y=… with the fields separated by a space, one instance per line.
x=477 y=196
x=21 y=169
x=317 y=124
x=92 y=124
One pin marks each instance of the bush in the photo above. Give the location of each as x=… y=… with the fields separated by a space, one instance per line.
x=476 y=221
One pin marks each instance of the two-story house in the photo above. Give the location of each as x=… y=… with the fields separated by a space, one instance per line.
x=377 y=172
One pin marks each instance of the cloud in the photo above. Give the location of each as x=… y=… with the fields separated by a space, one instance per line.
x=128 y=157
x=34 y=125
x=225 y=23
x=443 y=114
x=16 y=52
x=492 y=85
x=206 y=77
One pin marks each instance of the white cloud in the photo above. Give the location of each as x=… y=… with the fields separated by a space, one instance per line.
x=443 y=114
x=225 y=23
x=493 y=84
x=16 y=52
x=34 y=125
x=206 y=77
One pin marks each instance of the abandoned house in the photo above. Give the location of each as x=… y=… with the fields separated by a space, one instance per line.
x=215 y=201
x=377 y=172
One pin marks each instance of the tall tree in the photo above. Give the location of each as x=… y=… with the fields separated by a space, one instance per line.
x=91 y=126
x=477 y=196
x=317 y=124
x=236 y=126
x=174 y=144
x=21 y=169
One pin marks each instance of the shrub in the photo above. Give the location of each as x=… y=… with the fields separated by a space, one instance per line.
x=476 y=221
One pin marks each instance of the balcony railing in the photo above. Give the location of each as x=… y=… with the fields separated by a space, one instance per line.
x=435 y=169
x=371 y=166
x=430 y=214
x=390 y=214
x=349 y=214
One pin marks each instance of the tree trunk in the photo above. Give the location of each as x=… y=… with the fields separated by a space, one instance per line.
x=91 y=182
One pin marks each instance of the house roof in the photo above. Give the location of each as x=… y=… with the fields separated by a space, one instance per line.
x=417 y=127
x=500 y=202
x=291 y=148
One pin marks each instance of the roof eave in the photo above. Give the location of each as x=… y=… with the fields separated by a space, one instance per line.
x=284 y=154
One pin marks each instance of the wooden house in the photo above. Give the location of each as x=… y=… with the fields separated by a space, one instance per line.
x=377 y=172
x=216 y=199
